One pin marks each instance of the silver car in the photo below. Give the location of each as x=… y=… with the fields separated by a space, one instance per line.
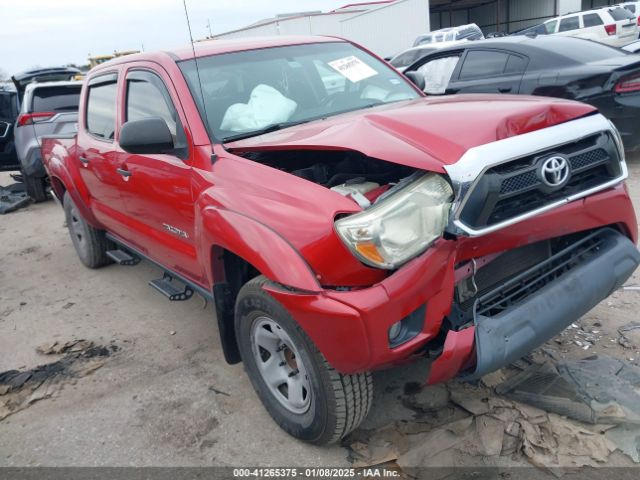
x=49 y=108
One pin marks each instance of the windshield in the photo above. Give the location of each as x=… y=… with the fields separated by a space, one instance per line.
x=410 y=56
x=247 y=92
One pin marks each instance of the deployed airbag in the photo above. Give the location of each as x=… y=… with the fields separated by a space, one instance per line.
x=266 y=106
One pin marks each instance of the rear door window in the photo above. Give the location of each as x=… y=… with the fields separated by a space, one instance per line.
x=101 y=109
x=515 y=65
x=570 y=23
x=56 y=99
x=592 y=20
x=483 y=63
x=619 y=14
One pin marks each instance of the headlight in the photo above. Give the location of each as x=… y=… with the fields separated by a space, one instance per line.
x=399 y=227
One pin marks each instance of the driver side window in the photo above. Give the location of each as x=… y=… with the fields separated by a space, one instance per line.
x=148 y=97
x=437 y=74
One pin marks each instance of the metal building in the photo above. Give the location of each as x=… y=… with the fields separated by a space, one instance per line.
x=389 y=26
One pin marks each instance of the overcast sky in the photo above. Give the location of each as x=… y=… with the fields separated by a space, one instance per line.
x=54 y=32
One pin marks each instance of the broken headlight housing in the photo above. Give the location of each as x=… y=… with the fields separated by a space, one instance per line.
x=401 y=226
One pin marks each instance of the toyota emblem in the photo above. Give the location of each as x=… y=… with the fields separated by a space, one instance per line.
x=555 y=171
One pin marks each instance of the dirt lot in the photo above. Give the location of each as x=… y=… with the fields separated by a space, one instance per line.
x=165 y=395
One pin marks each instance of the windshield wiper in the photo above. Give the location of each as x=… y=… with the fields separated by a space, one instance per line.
x=274 y=127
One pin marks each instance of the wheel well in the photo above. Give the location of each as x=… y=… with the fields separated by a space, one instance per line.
x=58 y=187
x=230 y=273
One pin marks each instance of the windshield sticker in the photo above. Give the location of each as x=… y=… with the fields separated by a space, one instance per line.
x=352 y=68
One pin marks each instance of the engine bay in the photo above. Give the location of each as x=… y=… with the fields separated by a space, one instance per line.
x=351 y=174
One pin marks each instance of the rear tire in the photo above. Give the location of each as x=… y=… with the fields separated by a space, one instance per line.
x=36 y=187
x=91 y=244
x=273 y=348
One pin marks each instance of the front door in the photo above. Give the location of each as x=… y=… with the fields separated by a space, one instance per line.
x=157 y=191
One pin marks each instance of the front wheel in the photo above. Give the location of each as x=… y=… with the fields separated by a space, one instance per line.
x=306 y=397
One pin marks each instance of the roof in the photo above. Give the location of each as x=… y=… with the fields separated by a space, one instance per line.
x=218 y=47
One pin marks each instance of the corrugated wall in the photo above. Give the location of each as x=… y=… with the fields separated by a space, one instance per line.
x=389 y=29
x=508 y=15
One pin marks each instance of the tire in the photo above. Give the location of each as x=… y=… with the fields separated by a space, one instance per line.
x=334 y=404
x=91 y=244
x=36 y=187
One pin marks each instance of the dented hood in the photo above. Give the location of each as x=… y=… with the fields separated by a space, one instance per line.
x=427 y=133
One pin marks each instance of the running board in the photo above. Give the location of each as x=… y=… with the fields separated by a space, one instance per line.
x=165 y=286
x=123 y=258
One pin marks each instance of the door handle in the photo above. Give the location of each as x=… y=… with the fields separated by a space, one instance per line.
x=123 y=172
x=84 y=160
x=504 y=89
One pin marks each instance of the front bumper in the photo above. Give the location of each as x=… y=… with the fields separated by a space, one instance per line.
x=504 y=338
x=351 y=327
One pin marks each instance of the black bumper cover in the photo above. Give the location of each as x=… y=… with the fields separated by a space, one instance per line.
x=502 y=339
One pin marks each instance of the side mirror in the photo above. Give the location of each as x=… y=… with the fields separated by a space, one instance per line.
x=416 y=79
x=148 y=136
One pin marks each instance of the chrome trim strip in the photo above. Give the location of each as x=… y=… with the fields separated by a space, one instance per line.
x=469 y=169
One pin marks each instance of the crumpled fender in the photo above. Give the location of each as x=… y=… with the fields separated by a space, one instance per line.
x=256 y=243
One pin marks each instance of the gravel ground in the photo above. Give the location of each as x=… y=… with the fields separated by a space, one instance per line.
x=166 y=397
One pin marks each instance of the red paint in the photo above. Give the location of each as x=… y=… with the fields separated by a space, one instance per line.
x=283 y=225
x=458 y=348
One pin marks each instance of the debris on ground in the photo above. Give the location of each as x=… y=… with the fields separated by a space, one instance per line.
x=20 y=389
x=590 y=409
x=599 y=389
x=13 y=197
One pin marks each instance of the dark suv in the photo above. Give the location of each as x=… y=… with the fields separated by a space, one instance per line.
x=8 y=112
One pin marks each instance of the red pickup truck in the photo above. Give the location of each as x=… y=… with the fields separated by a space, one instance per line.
x=341 y=221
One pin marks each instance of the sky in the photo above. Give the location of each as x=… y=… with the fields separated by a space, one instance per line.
x=54 y=32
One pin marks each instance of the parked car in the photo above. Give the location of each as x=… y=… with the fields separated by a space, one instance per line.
x=605 y=77
x=47 y=108
x=8 y=113
x=613 y=26
x=633 y=47
x=450 y=34
x=342 y=233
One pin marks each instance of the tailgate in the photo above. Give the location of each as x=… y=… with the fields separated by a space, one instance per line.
x=61 y=124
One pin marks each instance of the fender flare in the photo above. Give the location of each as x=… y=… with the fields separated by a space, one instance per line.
x=256 y=243
x=57 y=171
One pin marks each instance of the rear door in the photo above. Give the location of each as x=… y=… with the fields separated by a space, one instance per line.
x=8 y=114
x=96 y=154
x=488 y=71
x=157 y=191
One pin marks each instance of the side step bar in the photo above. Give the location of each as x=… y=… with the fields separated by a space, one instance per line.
x=123 y=258
x=159 y=284
x=165 y=286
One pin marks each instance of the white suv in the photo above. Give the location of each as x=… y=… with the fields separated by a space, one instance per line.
x=615 y=26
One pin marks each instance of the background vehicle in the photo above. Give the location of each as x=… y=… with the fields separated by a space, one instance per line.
x=613 y=26
x=603 y=76
x=8 y=114
x=450 y=34
x=47 y=108
x=633 y=47
x=341 y=232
